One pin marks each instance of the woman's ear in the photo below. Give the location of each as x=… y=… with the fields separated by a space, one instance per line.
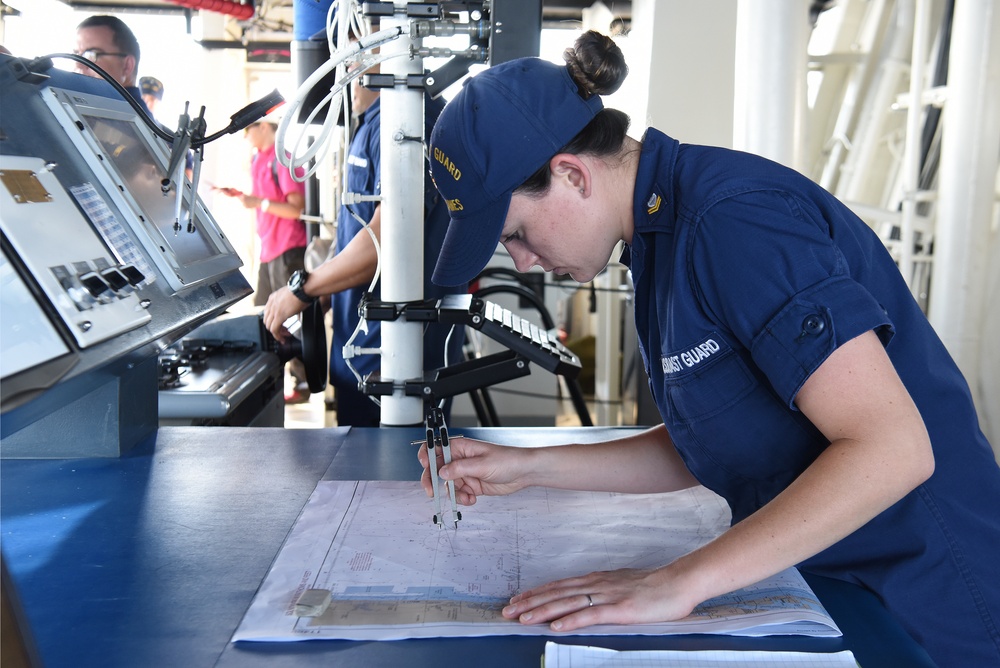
x=570 y=169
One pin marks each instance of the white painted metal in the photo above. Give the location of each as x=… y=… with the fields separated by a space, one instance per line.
x=402 y=226
x=608 y=354
x=911 y=153
x=859 y=34
x=772 y=38
x=858 y=181
x=681 y=63
x=969 y=158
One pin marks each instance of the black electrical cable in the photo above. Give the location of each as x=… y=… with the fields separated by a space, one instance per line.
x=523 y=293
x=553 y=284
x=929 y=153
x=241 y=119
x=553 y=397
x=45 y=63
x=572 y=384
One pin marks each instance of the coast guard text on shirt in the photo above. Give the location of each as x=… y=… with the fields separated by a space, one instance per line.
x=688 y=359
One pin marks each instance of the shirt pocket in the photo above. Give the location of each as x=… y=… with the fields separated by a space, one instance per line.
x=709 y=390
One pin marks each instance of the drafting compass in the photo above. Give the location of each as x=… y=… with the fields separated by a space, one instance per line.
x=437 y=437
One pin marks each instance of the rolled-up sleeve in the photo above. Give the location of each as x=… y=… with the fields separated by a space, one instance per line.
x=766 y=269
x=814 y=323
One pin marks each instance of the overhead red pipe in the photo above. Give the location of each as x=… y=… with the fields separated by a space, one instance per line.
x=235 y=9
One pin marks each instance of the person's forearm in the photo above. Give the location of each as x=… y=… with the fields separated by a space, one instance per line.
x=281 y=209
x=879 y=451
x=338 y=274
x=839 y=493
x=352 y=266
x=644 y=463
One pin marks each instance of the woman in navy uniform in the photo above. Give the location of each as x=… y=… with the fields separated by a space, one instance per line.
x=795 y=374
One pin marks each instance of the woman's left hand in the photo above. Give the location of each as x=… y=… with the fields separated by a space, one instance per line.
x=624 y=596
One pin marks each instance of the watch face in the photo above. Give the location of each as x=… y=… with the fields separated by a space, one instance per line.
x=297 y=284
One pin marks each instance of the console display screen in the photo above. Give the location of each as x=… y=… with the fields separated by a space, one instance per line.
x=123 y=197
x=142 y=174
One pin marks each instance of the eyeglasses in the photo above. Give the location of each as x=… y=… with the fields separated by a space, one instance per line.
x=93 y=54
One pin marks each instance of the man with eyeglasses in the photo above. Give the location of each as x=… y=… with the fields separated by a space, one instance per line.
x=111 y=45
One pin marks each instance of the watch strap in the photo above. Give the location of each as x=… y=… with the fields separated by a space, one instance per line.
x=297 y=284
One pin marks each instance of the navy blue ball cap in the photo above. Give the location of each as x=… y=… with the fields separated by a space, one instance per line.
x=503 y=125
x=151 y=86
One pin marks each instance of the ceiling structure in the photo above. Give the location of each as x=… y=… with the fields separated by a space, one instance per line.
x=552 y=10
x=266 y=35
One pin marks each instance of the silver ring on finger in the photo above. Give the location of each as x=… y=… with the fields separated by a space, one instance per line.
x=590 y=601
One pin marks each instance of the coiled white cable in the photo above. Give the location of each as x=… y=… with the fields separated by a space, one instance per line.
x=295 y=159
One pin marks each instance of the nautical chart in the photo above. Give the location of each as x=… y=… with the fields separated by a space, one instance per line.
x=383 y=570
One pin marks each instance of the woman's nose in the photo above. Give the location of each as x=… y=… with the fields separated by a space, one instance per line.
x=523 y=260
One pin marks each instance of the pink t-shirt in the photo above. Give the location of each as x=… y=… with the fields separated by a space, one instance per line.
x=277 y=234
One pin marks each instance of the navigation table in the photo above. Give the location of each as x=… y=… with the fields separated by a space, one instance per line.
x=151 y=559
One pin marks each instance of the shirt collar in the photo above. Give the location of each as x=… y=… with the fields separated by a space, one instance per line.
x=368 y=113
x=267 y=153
x=654 y=183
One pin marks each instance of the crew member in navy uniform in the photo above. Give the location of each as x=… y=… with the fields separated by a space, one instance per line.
x=795 y=374
x=347 y=275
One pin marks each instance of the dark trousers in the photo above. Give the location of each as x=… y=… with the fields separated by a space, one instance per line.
x=272 y=276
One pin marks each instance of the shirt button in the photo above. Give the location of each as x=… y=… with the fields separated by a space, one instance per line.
x=813 y=325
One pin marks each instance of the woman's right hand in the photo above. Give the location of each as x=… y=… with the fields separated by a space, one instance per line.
x=478 y=468
x=281 y=305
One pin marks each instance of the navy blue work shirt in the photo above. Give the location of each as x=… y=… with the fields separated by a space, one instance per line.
x=364 y=169
x=747 y=277
x=136 y=94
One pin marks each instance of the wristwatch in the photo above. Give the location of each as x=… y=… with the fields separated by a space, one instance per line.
x=297 y=284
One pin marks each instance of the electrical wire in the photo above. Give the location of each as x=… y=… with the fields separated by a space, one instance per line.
x=447 y=362
x=238 y=121
x=552 y=397
x=561 y=285
x=295 y=160
x=355 y=22
x=349 y=22
x=348 y=349
x=126 y=96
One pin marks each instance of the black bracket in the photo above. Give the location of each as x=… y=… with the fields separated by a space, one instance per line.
x=456 y=379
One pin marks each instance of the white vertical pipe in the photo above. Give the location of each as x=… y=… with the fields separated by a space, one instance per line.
x=969 y=160
x=855 y=180
x=608 y=358
x=772 y=41
x=402 y=112
x=698 y=40
x=863 y=33
x=911 y=149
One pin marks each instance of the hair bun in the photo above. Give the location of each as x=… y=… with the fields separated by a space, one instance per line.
x=596 y=64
